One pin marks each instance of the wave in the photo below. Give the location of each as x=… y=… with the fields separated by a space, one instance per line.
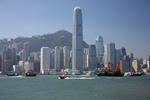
x=81 y=78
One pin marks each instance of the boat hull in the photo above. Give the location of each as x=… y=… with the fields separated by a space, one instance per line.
x=63 y=77
x=29 y=75
x=110 y=74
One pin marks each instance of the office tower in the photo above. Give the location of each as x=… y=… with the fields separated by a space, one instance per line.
x=118 y=56
x=52 y=58
x=131 y=60
x=123 y=51
x=14 y=56
x=85 y=58
x=58 y=58
x=92 y=57
x=125 y=63
x=35 y=59
x=77 y=40
x=26 y=51
x=99 y=49
x=45 y=60
x=109 y=54
x=70 y=61
x=7 y=60
x=66 y=53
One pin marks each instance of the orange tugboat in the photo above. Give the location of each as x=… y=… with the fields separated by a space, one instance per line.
x=109 y=72
x=118 y=71
x=30 y=74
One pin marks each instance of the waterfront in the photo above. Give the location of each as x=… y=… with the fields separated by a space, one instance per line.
x=48 y=87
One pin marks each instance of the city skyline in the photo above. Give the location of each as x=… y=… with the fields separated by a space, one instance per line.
x=125 y=26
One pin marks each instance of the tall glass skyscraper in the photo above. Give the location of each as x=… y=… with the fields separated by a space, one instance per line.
x=99 y=49
x=77 y=40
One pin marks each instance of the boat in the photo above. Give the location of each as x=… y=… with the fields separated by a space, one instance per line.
x=12 y=74
x=63 y=77
x=109 y=72
x=136 y=74
x=30 y=74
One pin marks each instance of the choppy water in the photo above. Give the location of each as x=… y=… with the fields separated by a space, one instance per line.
x=49 y=87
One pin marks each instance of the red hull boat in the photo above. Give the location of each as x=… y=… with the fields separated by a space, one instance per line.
x=63 y=77
x=28 y=74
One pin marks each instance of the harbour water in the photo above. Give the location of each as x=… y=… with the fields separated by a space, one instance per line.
x=49 y=87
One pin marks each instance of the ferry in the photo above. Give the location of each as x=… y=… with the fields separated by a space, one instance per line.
x=12 y=74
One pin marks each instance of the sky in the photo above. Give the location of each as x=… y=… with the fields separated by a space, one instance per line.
x=124 y=22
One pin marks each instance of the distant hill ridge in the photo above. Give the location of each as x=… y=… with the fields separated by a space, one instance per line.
x=59 y=38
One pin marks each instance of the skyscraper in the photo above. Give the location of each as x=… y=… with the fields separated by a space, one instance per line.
x=26 y=51
x=66 y=53
x=118 y=56
x=45 y=60
x=109 y=54
x=92 y=56
x=85 y=58
x=58 y=58
x=123 y=51
x=77 y=40
x=99 y=49
x=52 y=58
x=125 y=63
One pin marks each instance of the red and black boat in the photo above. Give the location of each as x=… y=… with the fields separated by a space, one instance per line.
x=63 y=77
x=30 y=74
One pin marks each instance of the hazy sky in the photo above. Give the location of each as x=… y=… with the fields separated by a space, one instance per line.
x=124 y=22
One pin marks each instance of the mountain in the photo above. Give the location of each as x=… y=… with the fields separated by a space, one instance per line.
x=59 y=38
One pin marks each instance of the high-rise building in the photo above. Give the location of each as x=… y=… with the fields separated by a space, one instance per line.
x=118 y=56
x=86 y=58
x=52 y=58
x=45 y=60
x=77 y=40
x=125 y=63
x=123 y=51
x=7 y=61
x=35 y=59
x=26 y=51
x=109 y=54
x=66 y=53
x=58 y=58
x=92 y=56
x=99 y=49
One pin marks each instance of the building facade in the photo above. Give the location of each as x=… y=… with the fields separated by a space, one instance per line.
x=99 y=49
x=109 y=55
x=77 y=40
x=66 y=54
x=45 y=60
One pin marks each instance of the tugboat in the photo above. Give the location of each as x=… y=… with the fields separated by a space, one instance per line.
x=109 y=72
x=63 y=77
x=12 y=74
x=30 y=74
